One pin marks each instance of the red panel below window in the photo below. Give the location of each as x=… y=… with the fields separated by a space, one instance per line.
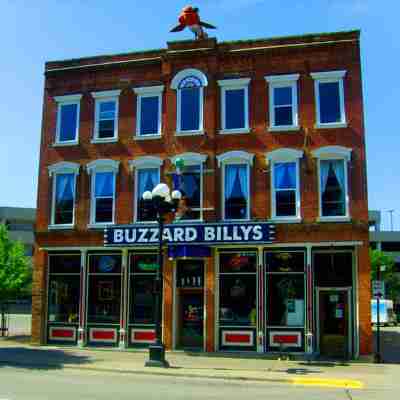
x=103 y=335
x=62 y=333
x=237 y=338
x=142 y=336
x=286 y=339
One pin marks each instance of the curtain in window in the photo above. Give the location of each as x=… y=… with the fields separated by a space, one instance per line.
x=230 y=175
x=243 y=180
x=324 y=172
x=65 y=187
x=338 y=169
x=104 y=184
x=285 y=175
x=147 y=180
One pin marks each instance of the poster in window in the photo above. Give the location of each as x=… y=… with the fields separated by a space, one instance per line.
x=105 y=290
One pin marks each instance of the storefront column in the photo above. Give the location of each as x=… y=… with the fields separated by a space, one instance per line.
x=123 y=339
x=261 y=303
x=310 y=332
x=167 y=310
x=82 y=300
x=209 y=288
x=39 y=296
x=364 y=300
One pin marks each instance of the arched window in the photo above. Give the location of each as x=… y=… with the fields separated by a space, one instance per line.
x=189 y=85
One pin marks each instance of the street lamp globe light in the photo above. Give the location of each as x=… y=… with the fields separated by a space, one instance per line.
x=147 y=195
x=176 y=195
x=161 y=190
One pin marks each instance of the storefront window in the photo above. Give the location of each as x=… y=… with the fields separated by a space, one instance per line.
x=143 y=272
x=64 y=288
x=285 y=289
x=238 y=289
x=104 y=288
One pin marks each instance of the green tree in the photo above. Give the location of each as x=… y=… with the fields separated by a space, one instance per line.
x=15 y=270
x=391 y=278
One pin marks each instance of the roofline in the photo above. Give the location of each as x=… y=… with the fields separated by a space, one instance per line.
x=156 y=54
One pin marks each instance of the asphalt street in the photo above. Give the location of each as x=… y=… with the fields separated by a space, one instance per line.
x=24 y=384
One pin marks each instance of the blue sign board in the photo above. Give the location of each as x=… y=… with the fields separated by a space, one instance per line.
x=224 y=233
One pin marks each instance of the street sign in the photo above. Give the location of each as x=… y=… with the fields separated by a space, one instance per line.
x=378 y=289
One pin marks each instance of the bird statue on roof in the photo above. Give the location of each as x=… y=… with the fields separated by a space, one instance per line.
x=189 y=17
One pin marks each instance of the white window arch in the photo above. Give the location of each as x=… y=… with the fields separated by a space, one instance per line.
x=285 y=184
x=191 y=183
x=103 y=191
x=236 y=184
x=146 y=171
x=189 y=85
x=63 y=194
x=333 y=185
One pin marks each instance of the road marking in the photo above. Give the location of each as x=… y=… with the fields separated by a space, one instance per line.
x=338 y=383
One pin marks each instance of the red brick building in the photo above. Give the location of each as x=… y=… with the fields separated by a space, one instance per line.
x=270 y=246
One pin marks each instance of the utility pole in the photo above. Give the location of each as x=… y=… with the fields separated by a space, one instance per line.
x=391 y=218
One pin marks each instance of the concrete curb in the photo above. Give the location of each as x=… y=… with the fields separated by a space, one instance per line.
x=321 y=382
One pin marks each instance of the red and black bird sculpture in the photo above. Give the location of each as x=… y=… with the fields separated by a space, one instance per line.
x=189 y=17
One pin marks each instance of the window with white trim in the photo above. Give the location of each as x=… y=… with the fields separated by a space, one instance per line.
x=68 y=108
x=106 y=115
x=148 y=111
x=329 y=99
x=283 y=108
x=189 y=85
x=333 y=181
x=236 y=184
x=146 y=178
x=103 y=193
x=234 y=105
x=190 y=183
x=285 y=183
x=64 y=192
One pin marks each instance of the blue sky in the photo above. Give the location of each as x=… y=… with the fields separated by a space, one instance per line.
x=33 y=32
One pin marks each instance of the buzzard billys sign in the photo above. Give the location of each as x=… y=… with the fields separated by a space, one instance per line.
x=133 y=235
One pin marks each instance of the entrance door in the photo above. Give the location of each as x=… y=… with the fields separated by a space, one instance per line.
x=334 y=322
x=190 y=321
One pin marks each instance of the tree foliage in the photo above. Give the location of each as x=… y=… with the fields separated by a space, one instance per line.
x=389 y=276
x=15 y=268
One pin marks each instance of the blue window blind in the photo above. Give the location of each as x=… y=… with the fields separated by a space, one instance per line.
x=190 y=108
x=68 y=122
x=235 y=109
x=329 y=99
x=149 y=110
x=285 y=185
x=236 y=191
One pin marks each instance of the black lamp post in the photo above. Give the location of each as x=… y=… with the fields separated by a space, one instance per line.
x=160 y=202
x=378 y=355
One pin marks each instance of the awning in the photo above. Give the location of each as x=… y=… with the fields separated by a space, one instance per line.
x=187 y=250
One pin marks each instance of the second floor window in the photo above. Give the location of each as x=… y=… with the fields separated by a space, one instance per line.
x=147 y=179
x=106 y=116
x=329 y=98
x=148 y=111
x=64 y=199
x=236 y=191
x=333 y=188
x=103 y=199
x=67 y=131
x=285 y=189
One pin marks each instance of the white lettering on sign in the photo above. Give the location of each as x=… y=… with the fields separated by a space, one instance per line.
x=179 y=235
x=226 y=234
x=257 y=232
x=118 y=236
x=167 y=235
x=209 y=233
x=190 y=234
x=142 y=238
x=246 y=231
x=132 y=237
x=154 y=234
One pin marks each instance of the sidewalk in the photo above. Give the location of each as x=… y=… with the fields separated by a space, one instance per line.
x=198 y=365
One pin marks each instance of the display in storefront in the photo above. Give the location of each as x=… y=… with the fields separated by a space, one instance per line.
x=201 y=233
